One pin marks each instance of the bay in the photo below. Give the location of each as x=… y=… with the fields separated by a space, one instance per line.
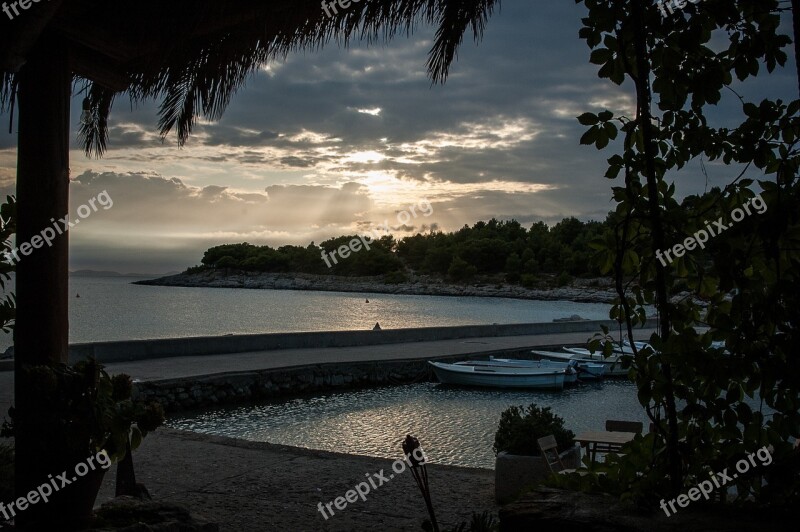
x=456 y=426
x=112 y=308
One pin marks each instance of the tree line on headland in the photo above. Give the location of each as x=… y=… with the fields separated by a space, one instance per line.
x=493 y=249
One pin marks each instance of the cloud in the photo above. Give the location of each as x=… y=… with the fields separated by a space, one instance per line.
x=338 y=140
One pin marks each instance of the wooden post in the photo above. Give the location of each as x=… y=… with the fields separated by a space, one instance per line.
x=41 y=328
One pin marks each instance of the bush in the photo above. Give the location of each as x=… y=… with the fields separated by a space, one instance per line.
x=84 y=409
x=460 y=270
x=528 y=280
x=519 y=429
x=195 y=269
x=227 y=262
x=564 y=279
x=395 y=277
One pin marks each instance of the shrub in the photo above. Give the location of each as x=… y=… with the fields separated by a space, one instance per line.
x=519 y=429
x=460 y=270
x=227 y=262
x=564 y=279
x=195 y=269
x=528 y=280
x=395 y=277
x=85 y=410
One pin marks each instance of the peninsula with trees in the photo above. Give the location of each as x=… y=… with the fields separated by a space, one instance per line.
x=490 y=258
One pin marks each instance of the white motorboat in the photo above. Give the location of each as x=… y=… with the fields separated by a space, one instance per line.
x=500 y=376
x=613 y=364
x=587 y=370
x=570 y=368
x=639 y=345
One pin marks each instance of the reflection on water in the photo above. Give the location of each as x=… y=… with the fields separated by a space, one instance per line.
x=111 y=308
x=456 y=426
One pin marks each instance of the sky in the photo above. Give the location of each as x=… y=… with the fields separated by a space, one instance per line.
x=338 y=141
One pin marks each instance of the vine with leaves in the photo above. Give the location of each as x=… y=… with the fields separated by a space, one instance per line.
x=709 y=405
x=8 y=227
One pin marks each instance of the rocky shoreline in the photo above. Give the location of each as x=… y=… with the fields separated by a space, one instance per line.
x=580 y=290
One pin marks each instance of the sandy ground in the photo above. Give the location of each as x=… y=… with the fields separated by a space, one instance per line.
x=248 y=486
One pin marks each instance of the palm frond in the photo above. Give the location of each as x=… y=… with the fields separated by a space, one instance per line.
x=94 y=135
x=455 y=19
x=197 y=76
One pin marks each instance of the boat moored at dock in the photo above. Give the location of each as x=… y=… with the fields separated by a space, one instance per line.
x=500 y=376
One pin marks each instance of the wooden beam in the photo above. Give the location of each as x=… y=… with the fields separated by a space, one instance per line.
x=41 y=328
x=99 y=68
x=19 y=35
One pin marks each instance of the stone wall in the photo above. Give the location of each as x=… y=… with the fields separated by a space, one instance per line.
x=233 y=388
x=215 y=390
x=128 y=350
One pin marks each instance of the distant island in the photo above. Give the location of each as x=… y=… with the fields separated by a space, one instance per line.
x=579 y=290
x=490 y=259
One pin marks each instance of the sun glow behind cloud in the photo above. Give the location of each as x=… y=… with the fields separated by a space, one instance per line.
x=326 y=143
x=388 y=175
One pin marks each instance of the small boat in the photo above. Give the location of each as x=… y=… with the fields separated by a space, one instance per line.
x=639 y=345
x=597 y=355
x=574 y=317
x=613 y=365
x=718 y=344
x=585 y=369
x=499 y=376
x=570 y=369
x=617 y=350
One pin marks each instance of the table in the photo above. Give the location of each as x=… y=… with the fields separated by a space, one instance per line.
x=603 y=441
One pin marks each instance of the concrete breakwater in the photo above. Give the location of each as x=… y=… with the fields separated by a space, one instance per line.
x=121 y=351
x=233 y=388
x=228 y=389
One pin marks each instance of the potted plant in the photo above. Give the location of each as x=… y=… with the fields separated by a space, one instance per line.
x=519 y=464
x=82 y=412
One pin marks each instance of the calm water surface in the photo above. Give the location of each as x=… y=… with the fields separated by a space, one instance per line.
x=111 y=308
x=456 y=426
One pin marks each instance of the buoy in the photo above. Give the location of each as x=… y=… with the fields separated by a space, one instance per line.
x=77 y=295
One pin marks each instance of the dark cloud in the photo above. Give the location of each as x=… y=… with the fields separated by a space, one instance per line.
x=296 y=162
x=340 y=140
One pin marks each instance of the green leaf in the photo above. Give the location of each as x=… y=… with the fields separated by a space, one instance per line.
x=590 y=137
x=588 y=119
x=600 y=56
